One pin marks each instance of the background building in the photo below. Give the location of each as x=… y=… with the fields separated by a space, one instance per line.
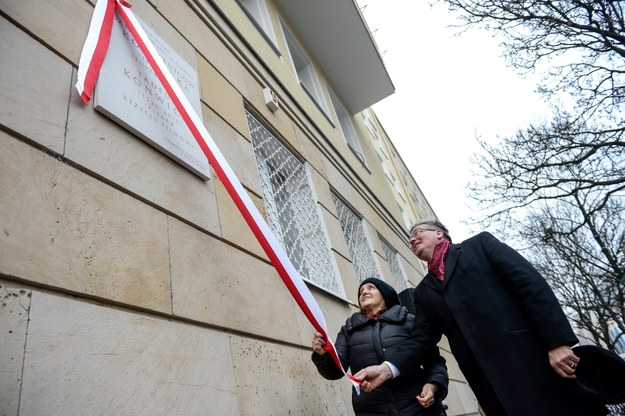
x=132 y=286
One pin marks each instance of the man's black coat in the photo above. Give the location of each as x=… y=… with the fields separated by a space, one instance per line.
x=501 y=318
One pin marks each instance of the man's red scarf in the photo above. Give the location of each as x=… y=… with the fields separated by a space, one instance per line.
x=437 y=265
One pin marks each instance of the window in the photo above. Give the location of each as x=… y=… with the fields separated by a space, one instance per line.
x=400 y=193
x=366 y=115
x=408 y=220
x=256 y=10
x=381 y=150
x=372 y=133
x=392 y=257
x=348 y=128
x=357 y=242
x=292 y=211
x=305 y=71
x=389 y=174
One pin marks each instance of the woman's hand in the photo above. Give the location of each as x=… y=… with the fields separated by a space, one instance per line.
x=318 y=343
x=426 y=397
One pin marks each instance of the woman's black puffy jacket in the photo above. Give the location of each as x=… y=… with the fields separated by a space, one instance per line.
x=365 y=341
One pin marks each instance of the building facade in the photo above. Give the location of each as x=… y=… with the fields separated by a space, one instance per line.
x=130 y=282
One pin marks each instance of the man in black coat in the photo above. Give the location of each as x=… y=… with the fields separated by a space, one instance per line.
x=505 y=327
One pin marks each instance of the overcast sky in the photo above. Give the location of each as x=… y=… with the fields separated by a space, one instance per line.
x=448 y=90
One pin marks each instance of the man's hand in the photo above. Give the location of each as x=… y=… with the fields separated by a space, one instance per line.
x=426 y=397
x=564 y=361
x=373 y=376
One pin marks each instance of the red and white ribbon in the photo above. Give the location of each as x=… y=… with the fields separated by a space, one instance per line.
x=91 y=59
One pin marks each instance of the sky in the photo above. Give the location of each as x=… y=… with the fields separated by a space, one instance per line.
x=448 y=90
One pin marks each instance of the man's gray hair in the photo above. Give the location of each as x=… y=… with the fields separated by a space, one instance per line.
x=435 y=224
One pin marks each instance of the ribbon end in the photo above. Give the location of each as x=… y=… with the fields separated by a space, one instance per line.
x=355 y=383
x=85 y=97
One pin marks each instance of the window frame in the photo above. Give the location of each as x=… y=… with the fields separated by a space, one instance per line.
x=304 y=70
x=309 y=259
x=358 y=219
x=258 y=13
x=347 y=128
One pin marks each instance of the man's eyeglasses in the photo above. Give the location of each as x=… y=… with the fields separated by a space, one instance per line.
x=418 y=231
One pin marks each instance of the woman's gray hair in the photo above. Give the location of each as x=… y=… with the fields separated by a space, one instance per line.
x=435 y=224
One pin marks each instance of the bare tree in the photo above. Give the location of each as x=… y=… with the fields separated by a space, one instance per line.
x=559 y=185
x=581 y=262
x=559 y=160
x=583 y=42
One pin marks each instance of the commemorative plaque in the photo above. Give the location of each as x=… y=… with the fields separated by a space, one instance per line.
x=129 y=93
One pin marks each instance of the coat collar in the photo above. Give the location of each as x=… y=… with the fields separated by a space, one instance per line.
x=450 y=264
x=397 y=313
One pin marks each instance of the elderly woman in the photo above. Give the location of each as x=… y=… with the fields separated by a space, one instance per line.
x=366 y=338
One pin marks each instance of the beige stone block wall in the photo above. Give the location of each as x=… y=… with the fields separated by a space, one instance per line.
x=85 y=359
x=62 y=25
x=349 y=278
x=294 y=389
x=335 y=233
x=195 y=23
x=236 y=149
x=234 y=229
x=215 y=283
x=323 y=194
x=14 y=309
x=30 y=73
x=109 y=151
x=222 y=97
x=67 y=230
x=82 y=358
